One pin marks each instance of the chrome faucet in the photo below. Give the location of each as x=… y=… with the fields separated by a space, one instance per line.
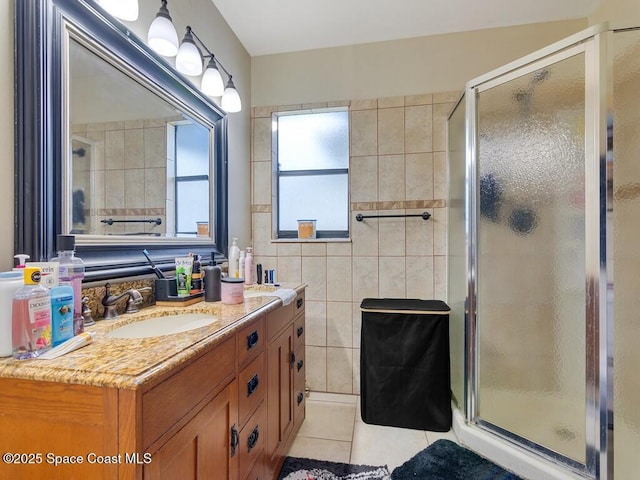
x=110 y=302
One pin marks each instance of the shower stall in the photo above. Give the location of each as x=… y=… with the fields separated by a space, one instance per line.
x=544 y=205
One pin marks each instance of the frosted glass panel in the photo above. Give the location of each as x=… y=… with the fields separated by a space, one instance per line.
x=193 y=205
x=531 y=256
x=626 y=215
x=313 y=141
x=457 y=289
x=319 y=197
x=192 y=150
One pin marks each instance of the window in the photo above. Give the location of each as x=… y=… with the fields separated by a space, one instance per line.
x=311 y=157
x=191 y=177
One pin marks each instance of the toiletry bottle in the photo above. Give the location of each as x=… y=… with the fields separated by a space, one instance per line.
x=234 y=256
x=71 y=273
x=212 y=282
x=22 y=257
x=259 y=274
x=248 y=267
x=241 y=264
x=196 y=276
x=61 y=314
x=31 y=317
x=10 y=282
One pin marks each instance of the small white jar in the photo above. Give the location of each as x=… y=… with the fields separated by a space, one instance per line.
x=232 y=290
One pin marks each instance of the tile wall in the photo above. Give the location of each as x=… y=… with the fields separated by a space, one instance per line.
x=397 y=165
x=123 y=174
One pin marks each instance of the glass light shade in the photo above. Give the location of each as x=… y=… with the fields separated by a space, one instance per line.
x=212 y=83
x=122 y=9
x=231 y=99
x=189 y=60
x=162 y=37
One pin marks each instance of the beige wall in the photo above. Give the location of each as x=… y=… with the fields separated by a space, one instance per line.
x=397 y=165
x=206 y=21
x=211 y=27
x=619 y=13
x=402 y=67
x=6 y=134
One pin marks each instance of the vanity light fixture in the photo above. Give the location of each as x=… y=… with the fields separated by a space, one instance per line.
x=163 y=39
x=212 y=84
x=122 y=9
x=162 y=36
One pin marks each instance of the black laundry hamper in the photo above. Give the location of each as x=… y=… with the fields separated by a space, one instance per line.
x=405 y=378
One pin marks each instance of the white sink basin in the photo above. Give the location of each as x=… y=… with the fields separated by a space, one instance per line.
x=167 y=325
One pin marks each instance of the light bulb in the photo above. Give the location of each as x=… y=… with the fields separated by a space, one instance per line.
x=212 y=84
x=231 y=99
x=189 y=59
x=162 y=36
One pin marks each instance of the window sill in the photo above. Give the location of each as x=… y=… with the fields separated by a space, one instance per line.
x=310 y=240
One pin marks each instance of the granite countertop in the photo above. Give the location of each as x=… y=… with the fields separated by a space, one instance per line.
x=131 y=362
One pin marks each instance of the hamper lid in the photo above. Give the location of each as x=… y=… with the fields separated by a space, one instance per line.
x=405 y=305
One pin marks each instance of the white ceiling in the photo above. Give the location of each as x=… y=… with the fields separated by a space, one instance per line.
x=277 y=26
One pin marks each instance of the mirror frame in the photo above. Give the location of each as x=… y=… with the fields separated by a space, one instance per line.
x=40 y=142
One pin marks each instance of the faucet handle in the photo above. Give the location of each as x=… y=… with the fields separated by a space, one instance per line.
x=132 y=304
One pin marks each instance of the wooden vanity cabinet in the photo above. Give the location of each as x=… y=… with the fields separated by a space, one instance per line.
x=285 y=373
x=202 y=448
x=229 y=413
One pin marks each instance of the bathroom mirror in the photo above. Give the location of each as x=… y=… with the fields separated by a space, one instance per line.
x=113 y=145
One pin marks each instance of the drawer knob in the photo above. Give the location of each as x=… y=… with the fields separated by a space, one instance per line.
x=252 y=385
x=252 y=339
x=300 y=397
x=300 y=364
x=299 y=303
x=300 y=331
x=253 y=438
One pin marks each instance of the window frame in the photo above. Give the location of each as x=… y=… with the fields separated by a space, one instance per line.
x=278 y=174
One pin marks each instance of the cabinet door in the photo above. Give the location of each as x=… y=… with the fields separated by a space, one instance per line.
x=204 y=449
x=279 y=391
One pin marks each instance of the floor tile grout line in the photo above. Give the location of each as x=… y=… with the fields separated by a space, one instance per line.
x=353 y=430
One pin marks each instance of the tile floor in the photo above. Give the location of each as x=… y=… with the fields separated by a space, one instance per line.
x=333 y=430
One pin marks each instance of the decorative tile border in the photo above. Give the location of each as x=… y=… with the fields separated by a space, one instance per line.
x=400 y=205
x=261 y=208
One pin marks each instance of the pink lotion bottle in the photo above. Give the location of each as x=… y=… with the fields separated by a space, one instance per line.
x=31 y=317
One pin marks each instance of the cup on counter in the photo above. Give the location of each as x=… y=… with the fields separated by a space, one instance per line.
x=232 y=290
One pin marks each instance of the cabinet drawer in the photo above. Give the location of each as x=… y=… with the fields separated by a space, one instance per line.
x=250 y=342
x=299 y=331
x=166 y=404
x=252 y=384
x=258 y=471
x=251 y=446
x=278 y=319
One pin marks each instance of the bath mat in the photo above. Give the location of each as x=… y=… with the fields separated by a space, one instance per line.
x=308 y=469
x=446 y=460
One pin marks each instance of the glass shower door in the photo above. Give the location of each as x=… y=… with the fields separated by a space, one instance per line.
x=530 y=253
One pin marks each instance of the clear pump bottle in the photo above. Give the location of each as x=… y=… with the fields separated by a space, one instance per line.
x=31 y=317
x=71 y=273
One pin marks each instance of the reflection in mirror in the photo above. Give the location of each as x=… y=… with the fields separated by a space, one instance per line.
x=100 y=119
x=139 y=166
